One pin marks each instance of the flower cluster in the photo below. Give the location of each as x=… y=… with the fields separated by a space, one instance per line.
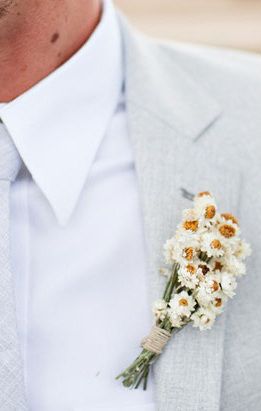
x=204 y=260
x=208 y=255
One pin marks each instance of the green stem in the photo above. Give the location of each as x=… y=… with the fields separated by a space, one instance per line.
x=171 y=283
x=138 y=371
x=146 y=377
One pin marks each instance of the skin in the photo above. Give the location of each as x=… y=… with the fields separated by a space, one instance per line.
x=37 y=36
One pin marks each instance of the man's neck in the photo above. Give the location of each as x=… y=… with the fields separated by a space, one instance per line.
x=36 y=37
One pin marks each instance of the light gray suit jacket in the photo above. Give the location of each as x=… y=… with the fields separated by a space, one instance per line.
x=195 y=123
x=194 y=117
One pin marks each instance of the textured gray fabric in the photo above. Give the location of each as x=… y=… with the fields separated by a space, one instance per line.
x=12 y=397
x=195 y=124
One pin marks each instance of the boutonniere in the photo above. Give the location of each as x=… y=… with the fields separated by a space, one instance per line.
x=204 y=260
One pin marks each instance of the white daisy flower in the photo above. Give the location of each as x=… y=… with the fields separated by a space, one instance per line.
x=188 y=276
x=203 y=295
x=188 y=254
x=169 y=251
x=207 y=290
x=176 y=319
x=228 y=284
x=186 y=237
x=190 y=221
x=182 y=304
x=160 y=309
x=180 y=249
x=186 y=247
x=203 y=269
x=217 y=264
x=184 y=255
x=230 y=244
x=203 y=319
x=234 y=266
x=207 y=209
x=243 y=250
x=212 y=245
x=212 y=281
x=228 y=218
x=228 y=230
x=218 y=303
x=203 y=198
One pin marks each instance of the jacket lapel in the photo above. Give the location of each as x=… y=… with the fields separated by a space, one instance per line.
x=167 y=112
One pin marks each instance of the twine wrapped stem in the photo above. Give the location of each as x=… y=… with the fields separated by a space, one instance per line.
x=156 y=340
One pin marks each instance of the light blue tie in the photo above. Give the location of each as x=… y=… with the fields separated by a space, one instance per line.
x=12 y=394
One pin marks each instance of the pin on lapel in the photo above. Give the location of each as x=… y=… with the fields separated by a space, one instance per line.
x=186 y=194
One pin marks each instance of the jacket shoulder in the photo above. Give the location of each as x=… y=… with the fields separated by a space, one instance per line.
x=212 y=58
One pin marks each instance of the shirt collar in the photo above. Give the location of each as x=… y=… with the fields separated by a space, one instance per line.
x=58 y=125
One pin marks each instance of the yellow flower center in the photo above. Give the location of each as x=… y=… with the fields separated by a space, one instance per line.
x=228 y=216
x=189 y=253
x=218 y=302
x=183 y=302
x=191 y=225
x=215 y=286
x=204 y=268
x=227 y=230
x=191 y=268
x=204 y=193
x=216 y=244
x=210 y=211
x=218 y=266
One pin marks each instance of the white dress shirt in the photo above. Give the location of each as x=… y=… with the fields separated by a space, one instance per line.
x=77 y=243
